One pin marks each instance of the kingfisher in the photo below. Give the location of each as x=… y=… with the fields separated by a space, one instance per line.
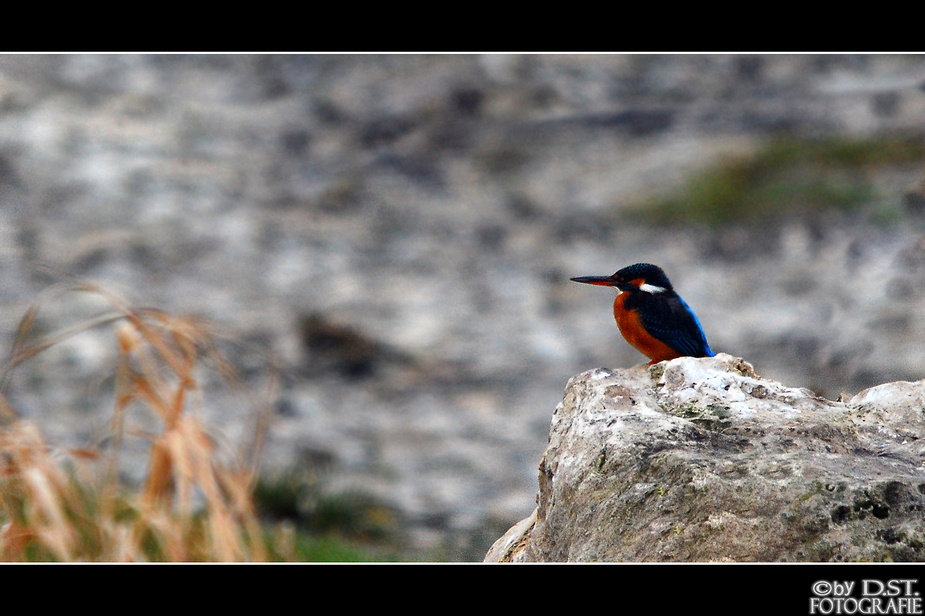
x=651 y=316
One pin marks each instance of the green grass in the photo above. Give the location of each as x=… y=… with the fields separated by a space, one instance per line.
x=332 y=549
x=785 y=178
x=289 y=543
x=320 y=526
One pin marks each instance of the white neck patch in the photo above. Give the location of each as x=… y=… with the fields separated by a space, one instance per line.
x=651 y=288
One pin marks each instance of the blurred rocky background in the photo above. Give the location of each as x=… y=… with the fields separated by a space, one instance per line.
x=397 y=232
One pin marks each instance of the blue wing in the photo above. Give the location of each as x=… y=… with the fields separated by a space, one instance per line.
x=672 y=321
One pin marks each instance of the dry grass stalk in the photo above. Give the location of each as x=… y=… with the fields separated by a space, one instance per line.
x=192 y=506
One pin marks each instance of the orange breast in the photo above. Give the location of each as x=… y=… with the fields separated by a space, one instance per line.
x=634 y=333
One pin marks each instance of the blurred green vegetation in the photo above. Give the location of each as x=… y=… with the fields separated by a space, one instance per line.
x=327 y=527
x=334 y=549
x=312 y=523
x=788 y=177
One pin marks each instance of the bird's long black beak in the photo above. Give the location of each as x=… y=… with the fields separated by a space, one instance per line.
x=603 y=281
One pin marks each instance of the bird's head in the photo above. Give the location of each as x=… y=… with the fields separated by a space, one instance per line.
x=639 y=277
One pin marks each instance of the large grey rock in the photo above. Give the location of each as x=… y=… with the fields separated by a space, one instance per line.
x=703 y=460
